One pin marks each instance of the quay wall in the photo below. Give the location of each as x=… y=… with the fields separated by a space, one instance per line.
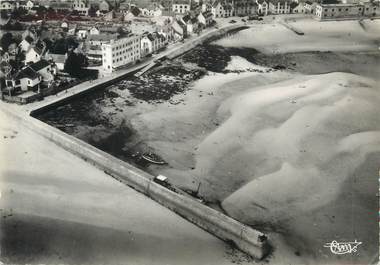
x=244 y=237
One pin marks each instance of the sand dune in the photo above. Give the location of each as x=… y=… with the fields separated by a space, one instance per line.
x=292 y=147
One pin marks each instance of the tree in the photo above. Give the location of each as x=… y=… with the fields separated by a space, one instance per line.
x=92 y=11
x=75 y=63
x=63 y=45
x=4 y=14
x=18 y=12
x=41 y=10
x=6 y=40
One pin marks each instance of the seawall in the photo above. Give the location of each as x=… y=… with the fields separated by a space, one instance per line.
x=244 y=237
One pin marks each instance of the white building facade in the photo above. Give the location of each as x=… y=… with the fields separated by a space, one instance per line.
x=120 y=52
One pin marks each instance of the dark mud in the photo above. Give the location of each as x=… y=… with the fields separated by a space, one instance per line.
x=215 y=58
x=161 y=84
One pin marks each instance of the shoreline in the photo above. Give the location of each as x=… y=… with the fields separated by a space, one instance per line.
x=178 y=130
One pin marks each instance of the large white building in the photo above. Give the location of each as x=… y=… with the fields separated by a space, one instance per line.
x=120 y=52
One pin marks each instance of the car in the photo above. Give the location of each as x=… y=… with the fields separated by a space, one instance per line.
x=253 y=17
x=232 y=21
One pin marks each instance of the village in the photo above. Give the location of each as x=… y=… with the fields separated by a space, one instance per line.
x=50 y=46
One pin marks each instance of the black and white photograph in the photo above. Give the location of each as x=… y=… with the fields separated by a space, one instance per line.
x=189 y=132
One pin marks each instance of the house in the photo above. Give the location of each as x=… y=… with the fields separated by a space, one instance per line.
x=45 y=69
x=124 y=7
x=57 y=59
x=245 y=7
x=206 y=7
x=24 y=80
x=297 y=8
x=105 y=6
x=151 y=43
x=221 y=8
x=26 y=43
x=13 y=49
x=167 y=31
x=35 y=52
x=94 y=31
x=309 y=7
x=6 y=6
x=191 y=24
x=279 y=7
x=181 y=6
x=262 y=7
x=205 y=18
x=82 y=33
x=81 y=6
x=28 y=5
x=64 y=25
x=151 y=9
x=179 y=30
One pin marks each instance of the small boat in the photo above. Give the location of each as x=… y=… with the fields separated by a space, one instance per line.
x=153 y=158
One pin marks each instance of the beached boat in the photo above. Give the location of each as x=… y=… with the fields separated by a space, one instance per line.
x=153 y=158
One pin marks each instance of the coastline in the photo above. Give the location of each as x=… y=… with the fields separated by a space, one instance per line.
x=178 y=132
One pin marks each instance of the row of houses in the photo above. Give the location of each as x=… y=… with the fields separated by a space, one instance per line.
x=126 y=50
x=347 y=11
x=228 y=8
x=11 y=5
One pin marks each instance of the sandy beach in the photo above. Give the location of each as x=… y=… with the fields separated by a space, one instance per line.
x=291 y=151
x=58 y=209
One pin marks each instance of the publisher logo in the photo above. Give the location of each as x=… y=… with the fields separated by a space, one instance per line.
x=341 y=248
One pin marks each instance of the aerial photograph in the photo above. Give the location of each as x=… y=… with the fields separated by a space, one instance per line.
x=186 y=132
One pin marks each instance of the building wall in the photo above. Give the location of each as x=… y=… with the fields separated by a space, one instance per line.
x=180 y=8
x=146 y=46
x=345 y=11
x=121 y=52
x=46 y=74
x=32 y=56
x=279 y=8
